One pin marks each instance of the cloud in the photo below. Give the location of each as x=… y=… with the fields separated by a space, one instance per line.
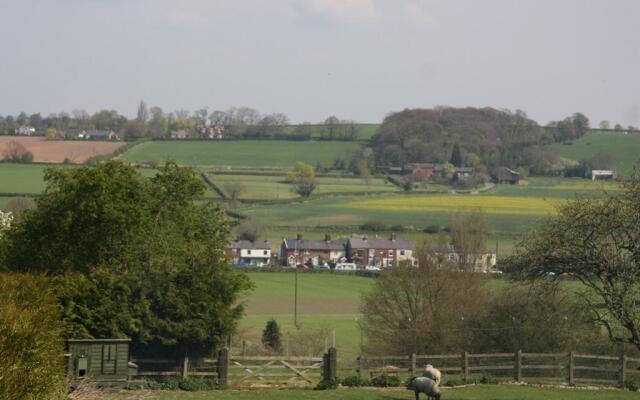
x=416 y=13
x=345 y=10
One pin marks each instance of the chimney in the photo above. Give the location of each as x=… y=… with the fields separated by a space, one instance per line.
x=327 y=237
x=364 y=238
x=393 y=237
x=237 y=238
x=299 y=236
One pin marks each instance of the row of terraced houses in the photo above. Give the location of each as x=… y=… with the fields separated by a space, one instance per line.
x=364 y=252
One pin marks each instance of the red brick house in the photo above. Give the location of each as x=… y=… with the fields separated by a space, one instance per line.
x=379 y=252
x=311 y=252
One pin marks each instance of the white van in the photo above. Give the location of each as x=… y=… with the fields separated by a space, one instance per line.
x=345 y=267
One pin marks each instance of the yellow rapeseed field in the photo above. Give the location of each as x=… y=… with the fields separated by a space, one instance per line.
x=451 y=203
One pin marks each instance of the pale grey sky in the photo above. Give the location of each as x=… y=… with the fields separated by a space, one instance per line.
x=357 y=59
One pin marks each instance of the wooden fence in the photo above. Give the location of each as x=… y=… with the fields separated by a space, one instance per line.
x=240 y=370
x=571 y=368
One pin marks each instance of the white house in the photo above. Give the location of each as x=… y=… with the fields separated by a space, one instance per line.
x=25 y=130
x=481 y=262
x=246 y=252
x=602 y=174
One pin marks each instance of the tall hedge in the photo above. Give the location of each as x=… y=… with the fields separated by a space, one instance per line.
x=31 y=344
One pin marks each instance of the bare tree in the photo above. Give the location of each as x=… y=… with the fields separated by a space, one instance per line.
x=234 y=190
x=421 y=309
x=469 y=230
x=16 y=152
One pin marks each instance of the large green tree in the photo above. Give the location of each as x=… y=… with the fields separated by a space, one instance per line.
x=136 y=256
x=597 y=242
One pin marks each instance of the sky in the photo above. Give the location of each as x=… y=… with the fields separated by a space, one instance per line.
x=356 y=59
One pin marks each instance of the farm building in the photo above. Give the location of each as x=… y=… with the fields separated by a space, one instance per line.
x=311 y=252
x=246 y=252
x=379 y=252
x=104 y=361
x=598 y=174
x=506 y=175
x=425 y=169
x=211 y=132
x=101 y=135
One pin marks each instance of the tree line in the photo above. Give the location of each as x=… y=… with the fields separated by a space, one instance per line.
x=154 y=122
x=482 y=138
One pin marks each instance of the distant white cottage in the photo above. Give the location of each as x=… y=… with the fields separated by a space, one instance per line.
x=603 y=174
x=25 y=130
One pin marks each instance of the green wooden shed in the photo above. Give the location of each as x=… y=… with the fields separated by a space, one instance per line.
x=104 y=361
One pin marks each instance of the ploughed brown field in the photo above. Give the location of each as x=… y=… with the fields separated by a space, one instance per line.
x=55 y=151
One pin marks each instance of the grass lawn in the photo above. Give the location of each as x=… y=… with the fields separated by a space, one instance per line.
x=249 y=153
x=328 y=301
x=625 y=149
x=480 y=392
x=270 y=187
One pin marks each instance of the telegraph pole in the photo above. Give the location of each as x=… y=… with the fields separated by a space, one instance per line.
x=295 y=290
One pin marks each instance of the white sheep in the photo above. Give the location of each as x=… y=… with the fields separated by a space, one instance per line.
x=432 y=373
x=426 y=386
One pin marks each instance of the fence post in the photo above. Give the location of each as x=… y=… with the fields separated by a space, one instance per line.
x=223 y=365
x=518 y=369
x=623 y=368
x=360 y=365
x=572 y=366
x=413 y=364
x=329 y=366
x=465 y=366
x=185 y=366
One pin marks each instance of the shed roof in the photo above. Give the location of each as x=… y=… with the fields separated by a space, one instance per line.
x=304 y=244
x=248 y=244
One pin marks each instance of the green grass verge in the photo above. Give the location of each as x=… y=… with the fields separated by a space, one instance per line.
x=250 y=153
x=625 y=149
x=492 y=392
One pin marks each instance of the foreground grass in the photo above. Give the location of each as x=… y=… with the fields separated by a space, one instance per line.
x=492 y=392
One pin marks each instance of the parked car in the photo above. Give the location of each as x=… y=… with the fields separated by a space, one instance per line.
x=372 y=268
x=345 y=267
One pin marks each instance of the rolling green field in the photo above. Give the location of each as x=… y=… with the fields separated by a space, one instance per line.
x=29 y=178
x=484 y=392
x=247 y=153
x=270 y=187
x=625 y=149
x=511 y=209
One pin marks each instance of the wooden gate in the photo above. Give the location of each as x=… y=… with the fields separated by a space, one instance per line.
x=274 y=371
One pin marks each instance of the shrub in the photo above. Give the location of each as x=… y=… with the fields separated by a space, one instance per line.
x=432 y=229
x=373 y=226
x=385 y=380
x=632 y=386
x=31 y=345
x=191 y=384
x=355 y=381
x=397 y=228
x=327 y=384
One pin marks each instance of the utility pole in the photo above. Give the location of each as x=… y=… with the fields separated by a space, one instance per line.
x=295 y=290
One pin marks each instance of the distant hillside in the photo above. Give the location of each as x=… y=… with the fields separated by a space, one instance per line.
x=487 y=137
x=624 y=148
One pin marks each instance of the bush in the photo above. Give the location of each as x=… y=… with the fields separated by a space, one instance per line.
x=327 y=384
x=187 y=384
x=31 y=344
x=385 y=380
x=355 y=381
x=373 y=226
x=432 y=229
x=632 y=386
x=397 y=228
